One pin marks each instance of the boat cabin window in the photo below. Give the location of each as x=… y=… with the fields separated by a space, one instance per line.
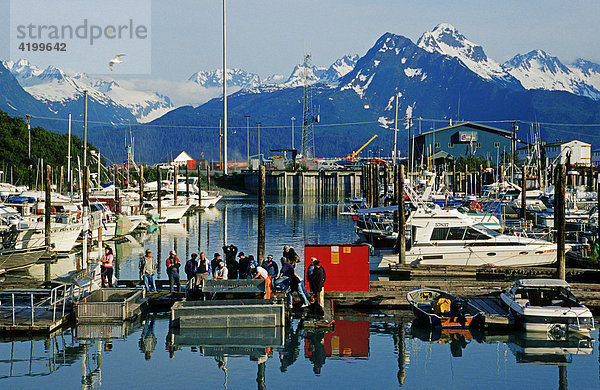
x=474 y=234
x=456 y=233
x=439 y=233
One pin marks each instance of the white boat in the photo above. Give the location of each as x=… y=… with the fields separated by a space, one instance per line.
x=448 y=237
x=65 y=228
x=547 y=305
x=168 y=211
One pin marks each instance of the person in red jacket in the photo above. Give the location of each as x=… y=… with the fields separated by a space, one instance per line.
x=173 y=264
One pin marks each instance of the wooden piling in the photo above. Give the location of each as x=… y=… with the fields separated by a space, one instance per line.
x=175 y=173
x=501 y=174
x=141 y=189
x=466 y=179
x=401 y=241
x=262 y=176
x=117 y=201
x=454 y=182
x=47 y=208
x=523 y=191
x=199 y=185
x=116 y=174
x=62 y=178
x=480 y=180
x=559 y=219
x=208 y=178
x=598 y=199
x=187 y=185
x=158 y=194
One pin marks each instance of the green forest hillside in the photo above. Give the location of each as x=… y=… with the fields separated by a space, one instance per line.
x=45 y=145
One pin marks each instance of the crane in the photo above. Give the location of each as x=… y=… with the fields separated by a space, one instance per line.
x=352 y=156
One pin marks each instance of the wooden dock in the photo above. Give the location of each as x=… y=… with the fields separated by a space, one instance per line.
x=409 y=272
x=392 y=294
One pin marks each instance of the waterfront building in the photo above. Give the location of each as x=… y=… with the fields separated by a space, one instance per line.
x=581 y=152
x=462 y=139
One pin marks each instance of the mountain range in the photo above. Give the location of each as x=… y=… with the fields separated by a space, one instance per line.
x=443 y=75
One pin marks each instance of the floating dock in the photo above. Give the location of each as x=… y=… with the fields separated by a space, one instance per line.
x=247 y=313
x=111 y=305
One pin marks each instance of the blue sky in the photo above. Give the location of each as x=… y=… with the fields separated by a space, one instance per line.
x=270 y=36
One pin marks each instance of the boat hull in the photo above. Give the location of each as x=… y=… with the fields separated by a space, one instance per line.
x=502 y=256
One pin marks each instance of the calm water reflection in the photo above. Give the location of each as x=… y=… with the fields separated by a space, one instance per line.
x=359 y=354
x=356 y=354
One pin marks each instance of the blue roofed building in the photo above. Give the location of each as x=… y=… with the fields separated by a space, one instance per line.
x=447 y=144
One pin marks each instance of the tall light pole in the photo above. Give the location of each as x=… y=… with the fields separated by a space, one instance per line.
x=293 y=119
x=396 y=131
x=28 y=137
x=258 y=125
x=224 y=90
x=247 y=138
x=85 y=104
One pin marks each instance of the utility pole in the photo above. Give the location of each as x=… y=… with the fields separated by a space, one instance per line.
x=412 y=151
x=396 y=131
x=28 y=137
x=220 y=145
x=293 y=119
x=224 y=89
x=29 y=151
x=247 y=138
x=85 y=104
x=513 y=147
x=258 y=125
x=69 y=175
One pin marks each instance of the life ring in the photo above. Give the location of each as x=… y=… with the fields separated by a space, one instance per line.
x=475 y=206
x=79 y=215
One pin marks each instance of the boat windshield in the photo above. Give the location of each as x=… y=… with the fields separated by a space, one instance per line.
x=547 y=296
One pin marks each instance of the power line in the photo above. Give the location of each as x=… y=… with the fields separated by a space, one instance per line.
x=111 y=124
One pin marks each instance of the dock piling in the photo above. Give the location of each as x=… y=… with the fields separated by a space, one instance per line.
x=523 y=191
x=199 y=186
x=175 y=173
x=208 y=178
x=141 y=189
x=559 y=219
x=401 y=241
x=187 y=185
x=47 y=209
x=158 y=191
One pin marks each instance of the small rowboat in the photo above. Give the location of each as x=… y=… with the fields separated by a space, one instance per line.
x=439 y=309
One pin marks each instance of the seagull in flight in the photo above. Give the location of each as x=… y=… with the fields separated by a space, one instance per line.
x=116 y=60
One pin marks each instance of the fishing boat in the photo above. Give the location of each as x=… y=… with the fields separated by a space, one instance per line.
x=440 y=309
x=547 y=305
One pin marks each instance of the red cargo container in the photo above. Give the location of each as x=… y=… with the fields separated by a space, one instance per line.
x=346 y=266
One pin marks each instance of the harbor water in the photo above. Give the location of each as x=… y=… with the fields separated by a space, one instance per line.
x=382 y=350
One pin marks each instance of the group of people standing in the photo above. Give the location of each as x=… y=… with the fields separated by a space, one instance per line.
x=239 y=266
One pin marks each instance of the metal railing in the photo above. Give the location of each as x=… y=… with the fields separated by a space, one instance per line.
x=56 y=298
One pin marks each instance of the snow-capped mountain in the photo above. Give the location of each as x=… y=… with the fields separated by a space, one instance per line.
x=447 y=40
x=60 y=90
x=339 y=69
x=235 y=78
x=539 y=70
